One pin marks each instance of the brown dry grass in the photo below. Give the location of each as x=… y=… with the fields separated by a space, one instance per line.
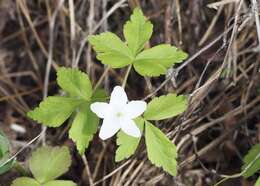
x=221 y=77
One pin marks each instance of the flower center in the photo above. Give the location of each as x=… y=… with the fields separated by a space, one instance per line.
x=119 y=114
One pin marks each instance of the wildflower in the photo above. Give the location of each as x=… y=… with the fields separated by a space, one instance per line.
x=118 y=114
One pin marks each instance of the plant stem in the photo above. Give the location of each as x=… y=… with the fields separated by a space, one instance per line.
x=126 y=75
x=101 y=78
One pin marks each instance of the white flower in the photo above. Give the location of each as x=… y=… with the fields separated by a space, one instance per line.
x=118 y=114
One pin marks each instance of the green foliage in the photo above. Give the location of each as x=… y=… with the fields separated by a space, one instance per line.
x=46 y=164
x=111 y=50
x=155 y=61
x=24 y=181
x=252 y=155
x=164 y=107
x=137 y=31
x=127 y=144
x=83 y=128
x=161 y=151
x=60 y=183
x=74 y=82
x=4 y=154
x=151 y=62
x=257 y=183
x=54 y=110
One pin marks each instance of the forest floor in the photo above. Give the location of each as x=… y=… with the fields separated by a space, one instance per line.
x=221 y=78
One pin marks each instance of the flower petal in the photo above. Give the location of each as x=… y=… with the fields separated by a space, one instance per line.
x=118 y=96
x=129 y=127
x=109 y=127
x=100 y=109
x=134 y=109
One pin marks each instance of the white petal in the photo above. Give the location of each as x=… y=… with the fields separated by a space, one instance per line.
x=109 y=127
x=129 y=127
x=134 y=109
x=100 y=109
x=118 y=96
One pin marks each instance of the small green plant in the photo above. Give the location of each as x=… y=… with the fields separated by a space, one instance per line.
x=250 y=167
x=252 y=157
x=134 y=118
x=47 y=164
x=5 y=154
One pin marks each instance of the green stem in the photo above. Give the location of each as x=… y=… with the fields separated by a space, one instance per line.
x=126 y=75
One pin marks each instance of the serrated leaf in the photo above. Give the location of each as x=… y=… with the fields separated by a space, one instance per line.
x=164 y=107
x=156 y=60
x=74 y=82
x=25 y=181
x=257 y=183
x=137 y=31
x=127 y=144
x=83 y=128
x=59 y=183
x=253 y=153
x=161 y=151
x=54 y=110
x=48 y=163
x=111 y=50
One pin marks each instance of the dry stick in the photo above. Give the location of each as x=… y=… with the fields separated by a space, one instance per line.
x=175 y=72
x=49 y=62
x=21 y=150
x=112 y=173
x=72 y=32
x=87 y=170
x=84 y=41
x=257 y=22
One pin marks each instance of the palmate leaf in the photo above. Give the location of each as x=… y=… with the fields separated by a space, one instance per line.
x=48 y=163
x=156 y=60
x=111 y=50
x=137 y=31
x=83 y=127
x=164 y=107
x=127 y=144
x=54 y=110
x=25 y=181
x=74 y=82
x=253 y=153
x=161 y=151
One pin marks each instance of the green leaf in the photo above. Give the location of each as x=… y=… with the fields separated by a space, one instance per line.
x=83 y=128
x=164 y=107
x=25 y=181
x=7 y=166
x=60 y=183
x=54 y=110
x=99 y=95
x=4 y=144
x=111 y=50
x=137 y=31
x=127 y=144
x=161 y=151
x=257 y=183
x=155 y=61
x=75 y=82
x=253 y=153
x=48 y=163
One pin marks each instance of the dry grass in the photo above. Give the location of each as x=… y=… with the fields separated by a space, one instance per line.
x=221 y=78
